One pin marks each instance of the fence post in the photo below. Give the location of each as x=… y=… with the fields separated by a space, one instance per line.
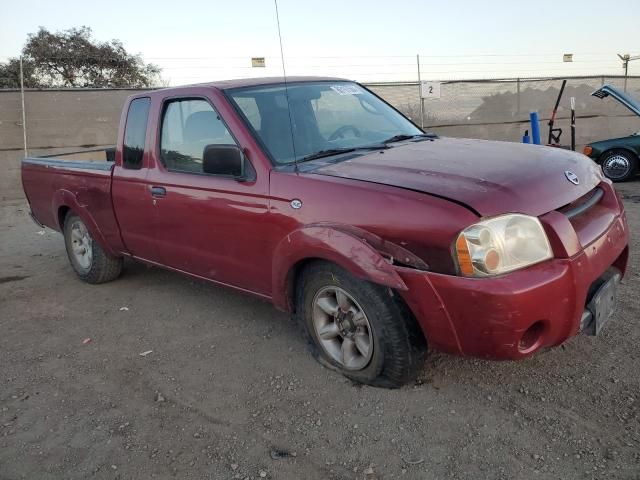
x=518 y=97
x=24 y=115
x=420 y=94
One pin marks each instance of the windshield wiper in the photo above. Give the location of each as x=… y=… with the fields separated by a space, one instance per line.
x=376 y=146
x=399 y=138
x=326 y=153
x=335 y=151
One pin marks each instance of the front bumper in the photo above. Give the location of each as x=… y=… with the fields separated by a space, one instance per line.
x=516 y=314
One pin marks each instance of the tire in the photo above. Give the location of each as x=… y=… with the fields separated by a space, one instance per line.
x=396 y=345
x=90 y=262
x=619 y=165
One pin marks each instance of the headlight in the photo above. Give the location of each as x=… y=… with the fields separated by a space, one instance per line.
x=501 y=244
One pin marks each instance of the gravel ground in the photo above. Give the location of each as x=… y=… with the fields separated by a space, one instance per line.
x=229 y=390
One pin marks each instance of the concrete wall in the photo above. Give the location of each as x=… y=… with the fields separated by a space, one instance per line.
x=61 y=118
x=56 y=121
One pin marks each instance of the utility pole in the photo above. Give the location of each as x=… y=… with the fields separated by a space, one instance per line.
x=420 y=94
x=626 y=58
x=24 y=115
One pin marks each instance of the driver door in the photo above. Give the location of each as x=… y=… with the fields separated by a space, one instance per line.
x=204 y=222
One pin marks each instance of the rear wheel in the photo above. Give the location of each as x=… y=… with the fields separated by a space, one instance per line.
x=619 y=165
x=358 y=328
x=90 y=262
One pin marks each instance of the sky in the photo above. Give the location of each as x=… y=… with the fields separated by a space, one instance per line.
x=199 y=40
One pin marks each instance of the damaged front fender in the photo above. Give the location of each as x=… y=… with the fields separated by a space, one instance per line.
x=361 y=253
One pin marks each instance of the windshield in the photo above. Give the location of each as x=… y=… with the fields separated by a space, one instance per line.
x=325 y=116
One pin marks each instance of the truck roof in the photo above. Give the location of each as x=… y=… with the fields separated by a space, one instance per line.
x=253 y=82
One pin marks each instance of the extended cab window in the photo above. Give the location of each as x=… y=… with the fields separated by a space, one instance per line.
x=188 y=126
x=135 y=133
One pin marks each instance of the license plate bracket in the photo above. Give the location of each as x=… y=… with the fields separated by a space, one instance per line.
x=602 y=304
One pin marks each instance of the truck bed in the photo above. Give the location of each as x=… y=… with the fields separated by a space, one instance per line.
x=52 y=183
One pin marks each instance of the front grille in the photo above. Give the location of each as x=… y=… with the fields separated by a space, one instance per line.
x=582 y=204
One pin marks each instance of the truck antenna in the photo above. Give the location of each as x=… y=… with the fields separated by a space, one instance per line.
x=286 y=91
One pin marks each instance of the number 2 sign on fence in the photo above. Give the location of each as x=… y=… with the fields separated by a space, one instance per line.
x=430 y=89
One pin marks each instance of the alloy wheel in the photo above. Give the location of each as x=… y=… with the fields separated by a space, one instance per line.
x=342 y=328
x=81 y=245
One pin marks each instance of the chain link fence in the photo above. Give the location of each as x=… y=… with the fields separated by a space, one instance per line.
x=466 y=102
x=499 y=109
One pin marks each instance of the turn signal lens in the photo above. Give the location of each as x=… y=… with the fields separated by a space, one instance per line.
x=587 y=150
x=464 y=259
x=501 y=244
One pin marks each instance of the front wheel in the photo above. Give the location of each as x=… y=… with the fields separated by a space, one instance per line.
x=358 y=328
x=619 y=165
x=90 y=262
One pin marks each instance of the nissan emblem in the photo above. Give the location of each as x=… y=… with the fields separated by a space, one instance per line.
x=572 y=177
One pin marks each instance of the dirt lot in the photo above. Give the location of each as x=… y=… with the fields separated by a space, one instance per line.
x=229 y=390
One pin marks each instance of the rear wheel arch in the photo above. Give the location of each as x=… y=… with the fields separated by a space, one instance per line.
x=64 y=203
x=90 y=261
x=63 y=211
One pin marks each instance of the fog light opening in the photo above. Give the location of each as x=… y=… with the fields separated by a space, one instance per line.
x=531 y=338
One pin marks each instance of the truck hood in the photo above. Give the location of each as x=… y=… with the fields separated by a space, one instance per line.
x=626 y=100
x=487 y=176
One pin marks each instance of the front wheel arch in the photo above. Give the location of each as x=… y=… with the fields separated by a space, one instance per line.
x=293 y=277
x=323 y=242
x=400 y=342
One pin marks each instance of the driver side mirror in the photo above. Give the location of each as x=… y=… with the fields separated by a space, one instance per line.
x=227 y=160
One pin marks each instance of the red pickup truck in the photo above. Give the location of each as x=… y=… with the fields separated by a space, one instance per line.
x=320 y=197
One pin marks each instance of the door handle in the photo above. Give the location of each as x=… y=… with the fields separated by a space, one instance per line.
x=158 y=191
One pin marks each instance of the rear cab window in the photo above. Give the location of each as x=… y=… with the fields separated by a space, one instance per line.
x=135 y=133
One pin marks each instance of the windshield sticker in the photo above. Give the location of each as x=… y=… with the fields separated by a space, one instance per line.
x=346 y=89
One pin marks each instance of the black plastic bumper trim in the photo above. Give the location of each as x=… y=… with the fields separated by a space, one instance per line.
x=583 y=207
